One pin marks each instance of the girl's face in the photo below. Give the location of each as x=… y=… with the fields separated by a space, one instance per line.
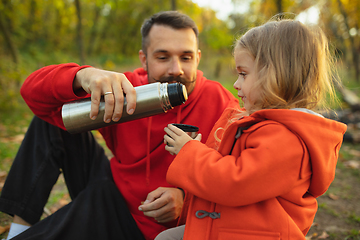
x=245 y=66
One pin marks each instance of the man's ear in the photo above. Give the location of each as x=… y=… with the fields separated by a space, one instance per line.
x=199 y=56
x=142 y=58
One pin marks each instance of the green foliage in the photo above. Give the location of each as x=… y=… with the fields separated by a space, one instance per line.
x=10 y=80
x=13 y=124
x=353 y=235
x=340 y=20
x=45 y=32
x=354 y=218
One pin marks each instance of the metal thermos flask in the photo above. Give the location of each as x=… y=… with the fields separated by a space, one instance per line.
x=151 y=99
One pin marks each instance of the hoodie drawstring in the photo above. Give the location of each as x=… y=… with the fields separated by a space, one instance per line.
x=178 y=120
x=148 y=152
x=178 y=117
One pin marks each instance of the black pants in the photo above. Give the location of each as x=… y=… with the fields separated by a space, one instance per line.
x=97 y=210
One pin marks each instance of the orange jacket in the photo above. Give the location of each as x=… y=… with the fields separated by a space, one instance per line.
x=262 y=184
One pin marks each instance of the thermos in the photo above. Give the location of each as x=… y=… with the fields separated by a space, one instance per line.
x=151 y=99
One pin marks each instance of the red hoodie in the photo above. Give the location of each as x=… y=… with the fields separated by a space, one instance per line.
x=140 y=161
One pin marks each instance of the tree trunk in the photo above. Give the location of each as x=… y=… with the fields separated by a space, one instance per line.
x=31 y=22
x=108 y=20
x=8 y=40
x=79 y=32
x=93 y=31
x=7 y=21
x=355 y=56
x=58 y=26
x=279 y=6
x=173 y=5
x=217 y=69
x=127 y=43
x=349 y=97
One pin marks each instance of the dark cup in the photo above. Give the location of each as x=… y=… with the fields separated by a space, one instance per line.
x=191 y=130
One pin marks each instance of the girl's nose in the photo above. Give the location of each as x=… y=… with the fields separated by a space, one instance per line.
x=237 y=85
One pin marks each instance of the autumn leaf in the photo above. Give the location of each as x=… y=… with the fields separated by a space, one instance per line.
x=14 y=139
x=314 y=235
x=64 y=200
x=4 y=229
x=352 y=164
x=314 y=224
x=324 y=235
x=333 y=196
x=354 y=152
x=2 y=179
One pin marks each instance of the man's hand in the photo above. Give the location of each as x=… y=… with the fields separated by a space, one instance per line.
x=97 y=82
x=163 y=204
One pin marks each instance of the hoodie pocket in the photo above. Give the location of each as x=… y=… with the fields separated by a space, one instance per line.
x=233 y=234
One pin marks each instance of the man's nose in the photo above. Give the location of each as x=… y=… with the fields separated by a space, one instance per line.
x=176 y=68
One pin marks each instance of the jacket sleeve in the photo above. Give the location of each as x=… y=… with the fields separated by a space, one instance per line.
x=268 y=167
x=47 y=89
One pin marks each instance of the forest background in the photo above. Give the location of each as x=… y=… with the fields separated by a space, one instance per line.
x=106 y=34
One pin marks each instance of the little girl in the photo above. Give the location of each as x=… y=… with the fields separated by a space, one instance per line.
x=260 y=173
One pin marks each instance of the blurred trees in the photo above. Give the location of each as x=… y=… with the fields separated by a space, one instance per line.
x=101 y=26
x=34 y=33
x=342 y=24
x=91 y=28
x=261 y=11
x=7 y=39
x=340 y=19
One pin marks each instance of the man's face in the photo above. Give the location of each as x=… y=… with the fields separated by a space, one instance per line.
x=172 y=56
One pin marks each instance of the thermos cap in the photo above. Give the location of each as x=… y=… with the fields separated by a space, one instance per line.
x=177 y=94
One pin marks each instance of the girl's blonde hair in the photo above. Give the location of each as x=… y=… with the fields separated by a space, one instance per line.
x=293 y=64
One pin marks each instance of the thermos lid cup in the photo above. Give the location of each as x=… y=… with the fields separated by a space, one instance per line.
x=186 y=127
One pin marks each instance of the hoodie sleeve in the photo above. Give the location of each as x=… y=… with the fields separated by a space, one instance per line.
x=47 y=89
x=266 y=168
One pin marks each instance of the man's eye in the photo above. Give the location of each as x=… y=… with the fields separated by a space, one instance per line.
x=187 y=58
x=162 y=58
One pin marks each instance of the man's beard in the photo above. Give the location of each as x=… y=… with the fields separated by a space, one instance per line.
x=170 y=78
x=174 y=79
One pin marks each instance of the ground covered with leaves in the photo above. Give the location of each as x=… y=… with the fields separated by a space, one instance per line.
x=338 y=216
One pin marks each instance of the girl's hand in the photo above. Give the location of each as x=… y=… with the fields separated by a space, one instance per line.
x=176 y=139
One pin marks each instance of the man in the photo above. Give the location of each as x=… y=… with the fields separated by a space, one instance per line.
x=128 y=198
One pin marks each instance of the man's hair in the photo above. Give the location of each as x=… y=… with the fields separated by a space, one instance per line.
x=173 y=19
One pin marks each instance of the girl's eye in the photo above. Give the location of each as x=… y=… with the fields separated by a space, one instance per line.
x=243 y=74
